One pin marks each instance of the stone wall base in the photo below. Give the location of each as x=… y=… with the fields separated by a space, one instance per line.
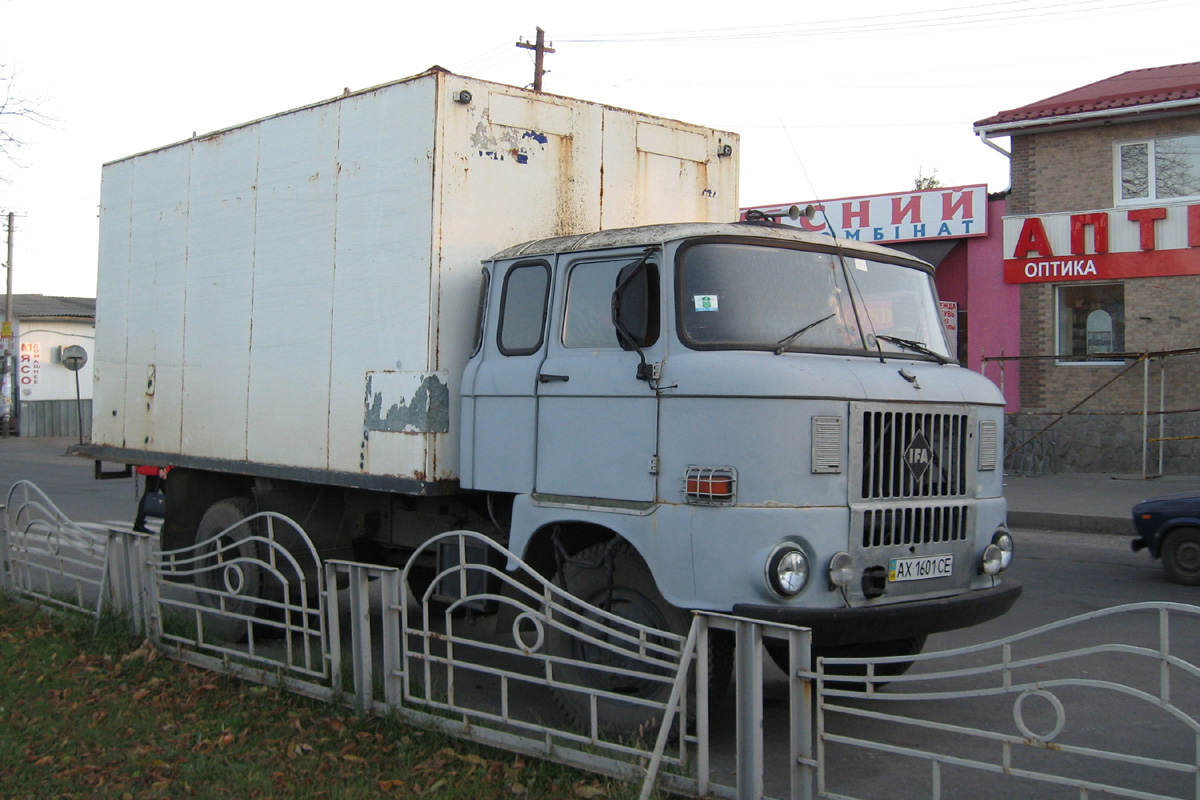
x=1110 y=443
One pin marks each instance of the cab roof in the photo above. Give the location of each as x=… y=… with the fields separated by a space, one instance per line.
x=653 y=235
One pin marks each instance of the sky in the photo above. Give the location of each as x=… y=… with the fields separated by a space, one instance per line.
x=830 y=99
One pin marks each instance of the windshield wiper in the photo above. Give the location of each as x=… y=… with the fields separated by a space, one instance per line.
x=916 y=347
x=791 y=337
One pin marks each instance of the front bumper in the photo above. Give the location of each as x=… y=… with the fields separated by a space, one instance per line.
x=841 y=626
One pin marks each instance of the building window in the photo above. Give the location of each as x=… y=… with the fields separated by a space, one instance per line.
x=1091 y=321
x=1159 y=169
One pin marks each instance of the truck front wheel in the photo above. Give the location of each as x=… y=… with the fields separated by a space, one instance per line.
x=632 y=595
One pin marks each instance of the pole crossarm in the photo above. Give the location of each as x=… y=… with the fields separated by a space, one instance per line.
x=540 y=49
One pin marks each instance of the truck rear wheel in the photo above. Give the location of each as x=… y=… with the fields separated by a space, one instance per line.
x=231 y=576
x=635 y=597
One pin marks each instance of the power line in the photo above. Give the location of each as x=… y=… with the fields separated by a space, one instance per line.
x=488 y=55
x=884 y=25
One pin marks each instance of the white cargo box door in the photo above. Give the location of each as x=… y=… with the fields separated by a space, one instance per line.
x=158 y=224
x=220 y=255
x=661 y=173
x=288 y=417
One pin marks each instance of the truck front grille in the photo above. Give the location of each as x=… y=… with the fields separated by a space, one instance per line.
x=907 y=454
x=889 y=527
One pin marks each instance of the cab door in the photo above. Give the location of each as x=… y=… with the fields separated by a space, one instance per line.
x=597 y=420
x=499 y=446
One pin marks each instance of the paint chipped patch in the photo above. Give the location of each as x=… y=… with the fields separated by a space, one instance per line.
x=408 y=402
x=509 y=144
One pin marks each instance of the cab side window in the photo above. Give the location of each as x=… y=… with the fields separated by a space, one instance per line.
x=523 y=309
x=588 y=322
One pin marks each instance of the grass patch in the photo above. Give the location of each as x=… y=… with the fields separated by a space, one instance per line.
x=88 y=711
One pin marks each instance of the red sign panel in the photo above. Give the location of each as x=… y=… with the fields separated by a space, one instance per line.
x=1102 y=245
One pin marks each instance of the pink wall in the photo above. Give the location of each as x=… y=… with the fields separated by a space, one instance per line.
x=995 y=308
x=972 y=275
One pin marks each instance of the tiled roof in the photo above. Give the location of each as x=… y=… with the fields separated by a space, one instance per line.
x=1139 y=87
x=26 y=306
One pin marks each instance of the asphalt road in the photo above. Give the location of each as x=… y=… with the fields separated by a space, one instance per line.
x=67 y=478
x=1064 y=575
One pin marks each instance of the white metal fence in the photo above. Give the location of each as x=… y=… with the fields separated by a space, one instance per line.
x=497 y=656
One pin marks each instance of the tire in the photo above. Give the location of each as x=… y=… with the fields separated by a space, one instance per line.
x=636 y=598
x=241 y=584
x=1181 y=556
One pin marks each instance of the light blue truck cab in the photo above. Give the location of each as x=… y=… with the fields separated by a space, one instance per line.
x=760 y=420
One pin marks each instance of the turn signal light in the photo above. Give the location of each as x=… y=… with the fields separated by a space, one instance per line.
x=710 y=485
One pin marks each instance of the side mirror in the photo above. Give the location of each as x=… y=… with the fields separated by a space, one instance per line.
x=635 y=305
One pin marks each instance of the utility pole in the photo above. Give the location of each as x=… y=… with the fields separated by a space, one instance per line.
x=6 y=335
x=540 y=49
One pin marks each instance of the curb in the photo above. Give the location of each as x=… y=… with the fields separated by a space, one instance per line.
x=1077 y=523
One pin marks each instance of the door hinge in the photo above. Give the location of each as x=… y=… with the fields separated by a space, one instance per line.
x=654 y=465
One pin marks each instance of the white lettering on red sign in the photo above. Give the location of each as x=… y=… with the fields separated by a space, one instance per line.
x=1103 y=245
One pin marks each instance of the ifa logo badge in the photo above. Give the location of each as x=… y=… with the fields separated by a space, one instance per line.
x=918 y=456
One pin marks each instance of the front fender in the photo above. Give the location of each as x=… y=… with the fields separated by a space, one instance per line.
x=1155 y=541
x=669 y=559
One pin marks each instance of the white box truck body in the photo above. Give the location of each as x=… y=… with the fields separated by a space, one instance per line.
x=257 y=283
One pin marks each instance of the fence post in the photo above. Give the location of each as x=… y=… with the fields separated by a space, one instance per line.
x=1145 y=411
x=6 y=582
x=1162 y=410
x=145 y=568
x=393 y=641
x=333 y=624
x=360 y=638
x=114 y=582
x=800 y=690
x=748 y=654
x=702 y=709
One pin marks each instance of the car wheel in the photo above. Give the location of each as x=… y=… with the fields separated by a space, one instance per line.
x=1181 y=556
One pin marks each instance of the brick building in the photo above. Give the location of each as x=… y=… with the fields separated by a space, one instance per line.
x=1102 y=237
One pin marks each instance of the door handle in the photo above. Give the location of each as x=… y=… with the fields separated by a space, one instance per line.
x=543 y=378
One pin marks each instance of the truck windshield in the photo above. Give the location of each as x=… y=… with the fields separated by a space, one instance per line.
x=737 y=296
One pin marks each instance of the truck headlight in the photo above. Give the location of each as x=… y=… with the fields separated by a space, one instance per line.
x=787 y=570
x=990 y=563
x=841 y=569
x=1004 y=541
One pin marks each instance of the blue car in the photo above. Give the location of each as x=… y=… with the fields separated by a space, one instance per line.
x=1169 y=527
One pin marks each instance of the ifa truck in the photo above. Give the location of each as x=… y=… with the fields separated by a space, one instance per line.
x=445 y=304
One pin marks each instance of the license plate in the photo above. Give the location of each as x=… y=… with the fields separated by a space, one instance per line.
x=920 y=569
